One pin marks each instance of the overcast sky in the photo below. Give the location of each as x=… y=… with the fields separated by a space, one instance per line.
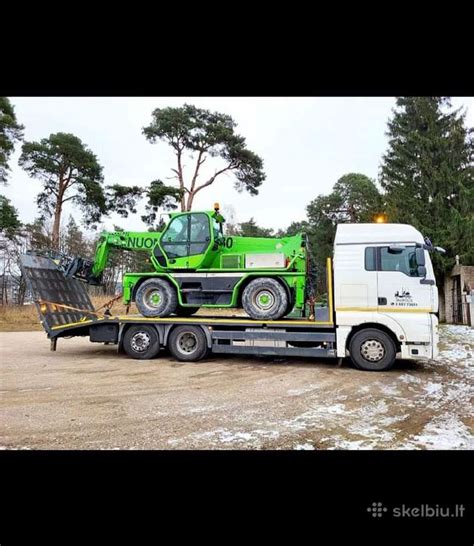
x=306 y=145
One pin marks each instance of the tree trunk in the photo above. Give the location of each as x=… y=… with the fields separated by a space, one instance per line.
x=21 y=291
x=56 y=225
x=190 y=201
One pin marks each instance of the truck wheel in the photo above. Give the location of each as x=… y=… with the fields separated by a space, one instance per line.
x=265 y=299
x=188 y=343
x=186 y=311
x=372 y=350
x=156 y=298
x=141 y=342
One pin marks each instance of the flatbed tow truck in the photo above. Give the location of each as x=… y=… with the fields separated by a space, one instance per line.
x=382 y=302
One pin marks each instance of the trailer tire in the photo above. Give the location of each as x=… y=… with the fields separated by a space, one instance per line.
x=187 y=343
x=141 y=342
x=265 y=299
x=372 y=350
x=156 y=298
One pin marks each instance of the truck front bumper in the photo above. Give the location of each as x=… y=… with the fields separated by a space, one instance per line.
x=427 y=350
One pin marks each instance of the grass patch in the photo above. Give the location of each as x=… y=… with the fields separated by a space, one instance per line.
x=24 y=318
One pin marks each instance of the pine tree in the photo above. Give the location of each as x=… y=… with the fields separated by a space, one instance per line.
x=354 y=198
x=9 y=221
x=428 y=175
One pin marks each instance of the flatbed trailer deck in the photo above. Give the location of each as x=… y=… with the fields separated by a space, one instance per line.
x=66 y=310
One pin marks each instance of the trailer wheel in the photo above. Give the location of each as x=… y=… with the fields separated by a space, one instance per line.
x=141 y=342
x=186 y=311
x=372 y=350
x=188 y=343
x=265 y=299
x=156 y=298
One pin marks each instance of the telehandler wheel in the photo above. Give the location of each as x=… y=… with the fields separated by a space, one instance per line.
x=265 y=299
x=141 y=342
x=188 y=343
x=372 y=350
x=186 y=311
x=156 y=298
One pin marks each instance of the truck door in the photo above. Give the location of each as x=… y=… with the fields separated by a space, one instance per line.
x=402 y=279
x=355 y=278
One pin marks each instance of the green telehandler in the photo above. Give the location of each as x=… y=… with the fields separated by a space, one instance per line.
x=196 y=265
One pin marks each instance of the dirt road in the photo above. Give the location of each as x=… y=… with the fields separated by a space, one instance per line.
x=85 y=396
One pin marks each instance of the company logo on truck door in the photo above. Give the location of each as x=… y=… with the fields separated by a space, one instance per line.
x=140 y=242
x=403 y=298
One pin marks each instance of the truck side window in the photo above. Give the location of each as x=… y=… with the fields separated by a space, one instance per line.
x=404 y=261
x=370 y=263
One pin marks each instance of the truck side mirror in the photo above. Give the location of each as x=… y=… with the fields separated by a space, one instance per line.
x=421 y=271
x=420 y=256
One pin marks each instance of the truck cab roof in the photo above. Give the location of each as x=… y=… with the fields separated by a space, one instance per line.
x=347 y=234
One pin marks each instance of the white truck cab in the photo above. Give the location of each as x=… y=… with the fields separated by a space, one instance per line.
x=385 y=294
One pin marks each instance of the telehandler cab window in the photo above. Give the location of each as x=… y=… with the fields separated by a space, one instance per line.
x=200 y=233
x=175 y=238
x=217 y=229
x=187 y=235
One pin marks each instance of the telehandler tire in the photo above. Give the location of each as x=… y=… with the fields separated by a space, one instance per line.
x=265 y=299
x=156 y=298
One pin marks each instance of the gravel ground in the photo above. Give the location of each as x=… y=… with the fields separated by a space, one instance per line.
x=86 y=396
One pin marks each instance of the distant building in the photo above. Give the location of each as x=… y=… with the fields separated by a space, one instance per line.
x=458 y=302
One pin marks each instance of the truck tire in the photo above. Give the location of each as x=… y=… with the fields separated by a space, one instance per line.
x=372 y=350
x=187 y=343
x=156 y=298
x=186 y=311
x=265 y=299
x=141 y=342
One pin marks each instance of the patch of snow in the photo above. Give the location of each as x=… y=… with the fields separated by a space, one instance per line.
x=306 y=447
x=303 y=390
x=433 y=388
x=351 y=444
x=390 y=390
x=371 y=431
x=203 y=409
x=455 y=353
x=407 y=378
x=458 y=330
x=444 y=432
x=226 y=436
